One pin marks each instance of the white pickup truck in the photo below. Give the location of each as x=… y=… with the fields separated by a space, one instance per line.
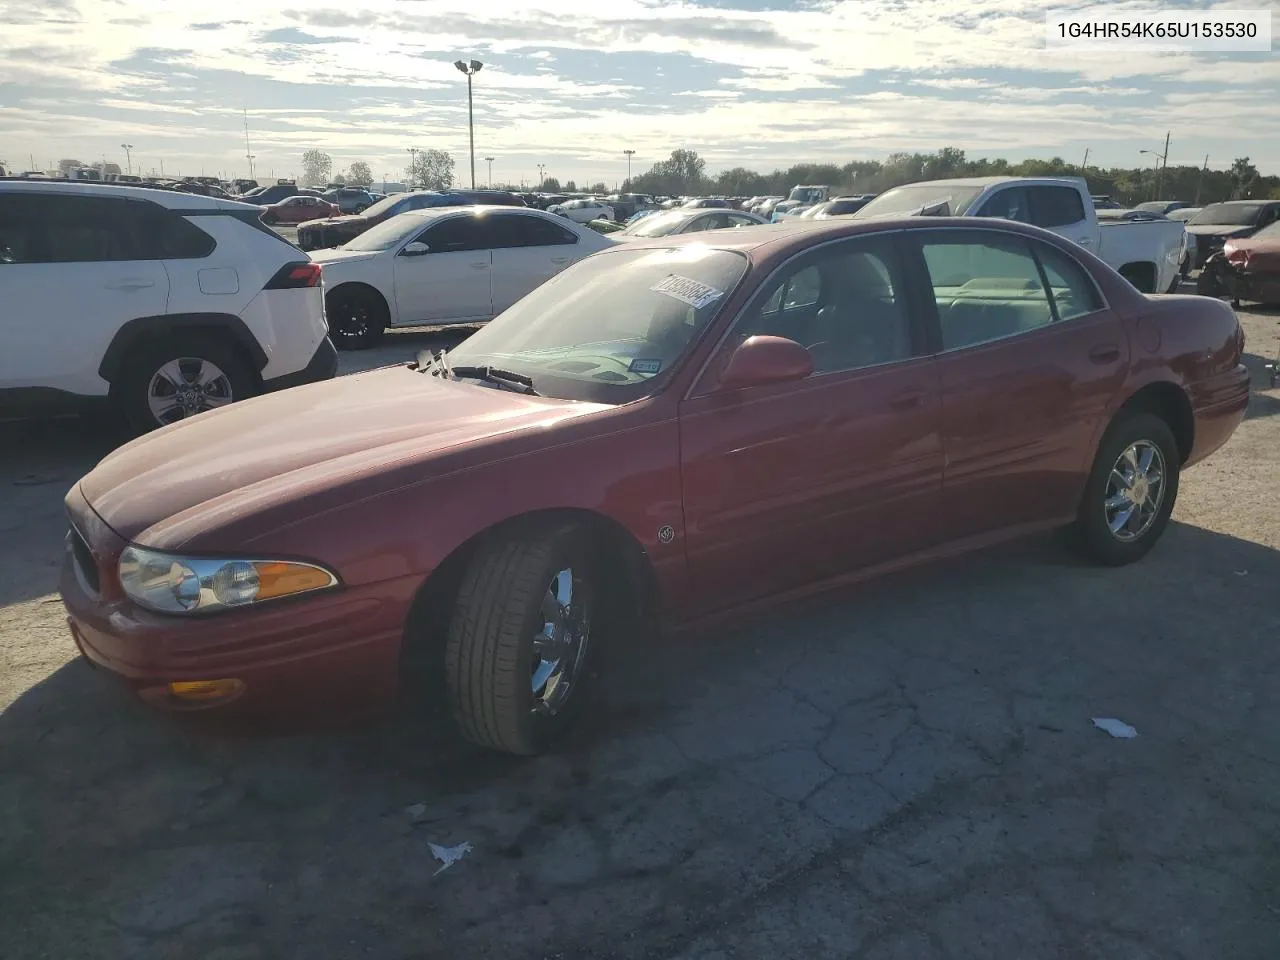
x=1146 y=253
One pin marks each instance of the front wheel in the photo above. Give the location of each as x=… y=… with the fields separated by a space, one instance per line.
x=521 y=640
x=178 y=377
x=1131 y=489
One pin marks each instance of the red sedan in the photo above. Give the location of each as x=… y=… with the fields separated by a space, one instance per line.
x=677 y=429
x=298 y=209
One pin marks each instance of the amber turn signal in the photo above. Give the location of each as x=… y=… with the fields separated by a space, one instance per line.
x=282 y=579
x=203 y=691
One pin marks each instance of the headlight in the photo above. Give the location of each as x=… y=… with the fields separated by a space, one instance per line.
x=167 y=583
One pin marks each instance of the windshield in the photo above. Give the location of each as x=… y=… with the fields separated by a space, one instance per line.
x=1228 y=214
x=657 y=225
x=937 y=199
x=1185 y=214
x=608 y=328
x=387 y=234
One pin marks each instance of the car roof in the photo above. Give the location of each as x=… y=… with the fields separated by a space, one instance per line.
x=429 y=213
x=171 y=199
x=766 y=239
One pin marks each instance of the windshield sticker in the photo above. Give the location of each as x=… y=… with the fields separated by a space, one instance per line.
x=640 y=365
x=695 y=294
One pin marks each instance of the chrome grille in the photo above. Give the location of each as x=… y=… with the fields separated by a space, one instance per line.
x=85 y=563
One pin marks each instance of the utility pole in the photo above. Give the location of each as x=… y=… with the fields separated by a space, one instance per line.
x=630 y=154
x=541 y=178
x=248 y=154
x=489 y=160
x=470 y=68
x=1084 y=164
x=1200 y=181
x=1164 y=162
x=128 y=157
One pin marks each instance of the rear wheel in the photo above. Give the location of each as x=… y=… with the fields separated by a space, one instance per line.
x=179 y=377
x=357 y=317
x=1131 y=489
x=521 y=642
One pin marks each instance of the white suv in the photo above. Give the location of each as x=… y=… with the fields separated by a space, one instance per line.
x=162 y=304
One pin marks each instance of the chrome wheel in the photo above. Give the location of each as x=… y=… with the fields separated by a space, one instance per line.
x=560 y=646
x=187 y=386
x=1135 y=491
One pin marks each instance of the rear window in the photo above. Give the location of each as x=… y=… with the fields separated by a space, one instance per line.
x=1055 y=206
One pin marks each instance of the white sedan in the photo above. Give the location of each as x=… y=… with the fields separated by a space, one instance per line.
x=444 y=265
x=582 y=211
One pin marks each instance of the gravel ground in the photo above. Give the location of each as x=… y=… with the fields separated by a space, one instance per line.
x=907 y=770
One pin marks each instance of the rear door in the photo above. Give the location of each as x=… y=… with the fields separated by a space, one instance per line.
x=71 y=275
x=527 y=250
x=1029 y=358
x=451 y=283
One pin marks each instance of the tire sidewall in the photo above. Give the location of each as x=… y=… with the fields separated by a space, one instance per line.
x=130 y=393
x=376 y=315
x=1127 y=429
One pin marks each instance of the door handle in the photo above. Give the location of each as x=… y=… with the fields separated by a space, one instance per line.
x=130 y=283
x=1104 y=353
x=907 y=400
x=480 y=266
x=559 y=259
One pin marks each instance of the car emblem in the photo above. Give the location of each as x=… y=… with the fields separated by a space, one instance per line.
x=666 y=533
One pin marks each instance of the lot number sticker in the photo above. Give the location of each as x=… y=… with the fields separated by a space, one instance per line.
x=695 y=294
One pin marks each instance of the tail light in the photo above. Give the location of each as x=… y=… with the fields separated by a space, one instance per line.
x=295 y=276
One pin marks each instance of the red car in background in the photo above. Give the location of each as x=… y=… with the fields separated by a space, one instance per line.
x=1247 y=268
x=297 y=210
x=668 y=432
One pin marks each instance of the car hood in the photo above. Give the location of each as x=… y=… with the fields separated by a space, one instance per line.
x=354 y=436
x=1219 y=229
x=338 y=255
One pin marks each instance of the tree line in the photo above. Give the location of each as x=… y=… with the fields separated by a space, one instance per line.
x=684 y=174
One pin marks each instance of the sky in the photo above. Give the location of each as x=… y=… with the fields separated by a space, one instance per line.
x=571 y=84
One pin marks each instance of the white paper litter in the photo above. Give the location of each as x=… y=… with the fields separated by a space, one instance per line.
x=448 y=856
x=1117 y=728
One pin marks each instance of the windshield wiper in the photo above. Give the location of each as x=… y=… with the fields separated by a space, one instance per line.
x=509 y=379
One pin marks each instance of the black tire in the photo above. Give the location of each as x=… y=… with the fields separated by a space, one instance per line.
x=489 y=653
x=130 y=393
x=1093 y=534
x=269 y=219
x=357 y=317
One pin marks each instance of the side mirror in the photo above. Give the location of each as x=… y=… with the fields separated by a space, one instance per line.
x=415 y=249
x=760 y=360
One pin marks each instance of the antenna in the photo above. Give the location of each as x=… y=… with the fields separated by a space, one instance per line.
x=248 y=154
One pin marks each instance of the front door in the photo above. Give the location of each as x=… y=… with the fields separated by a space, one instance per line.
x=1030 y=358
x=451 y=282
x=790 y=484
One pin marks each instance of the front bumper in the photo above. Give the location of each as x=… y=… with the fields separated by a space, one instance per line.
x=335 y=650
x=322 y=366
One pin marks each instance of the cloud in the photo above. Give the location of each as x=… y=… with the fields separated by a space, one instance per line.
x=294 y=35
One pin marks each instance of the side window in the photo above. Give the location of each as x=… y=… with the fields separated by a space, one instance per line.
x=517 y=230
x=846 y=306
x=1009 y=204
x=18 y=240
x=455 y=235
x=161 y=234
x=738 y=220
x=1074 y=292
x=986 y=288
x=84 y=229
x=1055 y=206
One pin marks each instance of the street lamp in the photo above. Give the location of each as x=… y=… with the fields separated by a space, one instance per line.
x=489 y=160
x=413 y=166
x=541 y=179
x=470 y=68
x=630 y=154
x=128 y=157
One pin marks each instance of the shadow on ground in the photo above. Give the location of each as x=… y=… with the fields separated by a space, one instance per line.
x=901 y=770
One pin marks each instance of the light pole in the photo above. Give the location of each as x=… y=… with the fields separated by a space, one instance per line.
x=470 y=68
x=128 y=157
x=541 y=179
x=489 y=160
x=413 y=166
x=630 y=154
